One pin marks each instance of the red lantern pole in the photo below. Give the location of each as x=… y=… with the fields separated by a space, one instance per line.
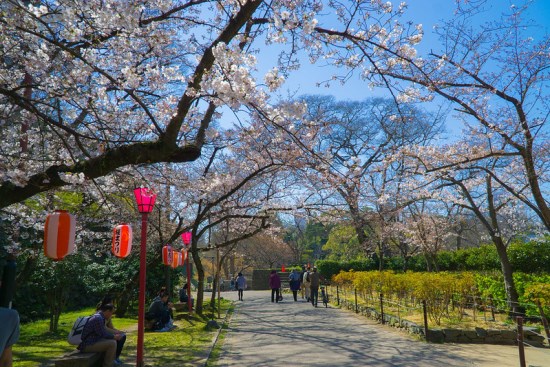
x=186 y=238
x=142 y=279
x=145 y=199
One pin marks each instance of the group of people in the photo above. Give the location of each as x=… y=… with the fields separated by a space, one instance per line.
x=308 y=281
x=99 y=334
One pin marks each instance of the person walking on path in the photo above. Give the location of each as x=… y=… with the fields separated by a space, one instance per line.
x=314 y=277
x=307 y=284
x=302 y=283
x=294 y=279
x=275 y=285
x=241 y=285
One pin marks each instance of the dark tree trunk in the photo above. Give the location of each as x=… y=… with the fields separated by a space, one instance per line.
x=509 y=285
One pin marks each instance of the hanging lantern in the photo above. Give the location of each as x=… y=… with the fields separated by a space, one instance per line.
x=122 y=240
x=283 y=269
x=145 y=199
x=59 y=234
x=177 y=259
x=183 y=256
x=167 y=255
x=186 y=238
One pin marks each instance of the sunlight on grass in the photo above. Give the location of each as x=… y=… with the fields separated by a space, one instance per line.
x=188 y=343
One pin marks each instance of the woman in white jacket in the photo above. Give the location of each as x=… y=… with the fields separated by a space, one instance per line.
x=306 y=283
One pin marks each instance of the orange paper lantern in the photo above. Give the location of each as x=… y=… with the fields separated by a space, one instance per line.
x=122 y=240
x=167 y=255
x=59 y=234
x=177 y=259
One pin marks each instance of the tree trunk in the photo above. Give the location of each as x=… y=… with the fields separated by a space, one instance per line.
x=200 y=284
x=509 y=286
x=381 y=256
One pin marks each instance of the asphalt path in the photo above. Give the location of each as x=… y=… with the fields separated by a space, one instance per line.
x=288 y=333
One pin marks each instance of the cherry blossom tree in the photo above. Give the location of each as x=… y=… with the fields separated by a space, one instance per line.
x=88 y=88
x=349 y=162
x=494 y=73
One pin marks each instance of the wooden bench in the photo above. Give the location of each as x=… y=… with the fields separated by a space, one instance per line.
x=77 y=359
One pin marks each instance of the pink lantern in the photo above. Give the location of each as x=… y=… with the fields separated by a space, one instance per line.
x=167 y=255
x=122 y=240
x=59 y=234
x=186 y=238
x=145 y=199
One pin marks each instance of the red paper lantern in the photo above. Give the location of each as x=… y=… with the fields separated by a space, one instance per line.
x=183 y=256
x=283 y=269
x=167 y=255
x=177 y=259
x=186 y=238
x=59 y=234
x=122 y=240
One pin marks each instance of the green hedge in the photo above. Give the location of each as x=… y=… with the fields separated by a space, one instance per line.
x=531 y=257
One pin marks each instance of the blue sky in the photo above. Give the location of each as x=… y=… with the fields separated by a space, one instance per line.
x=426 y=12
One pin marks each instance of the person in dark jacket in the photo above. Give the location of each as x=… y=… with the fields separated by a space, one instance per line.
x=294 y=280
x=275 y=285
x=315 y=279
x=161 y=311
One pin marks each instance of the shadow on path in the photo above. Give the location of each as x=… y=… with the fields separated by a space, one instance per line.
x=262 y=333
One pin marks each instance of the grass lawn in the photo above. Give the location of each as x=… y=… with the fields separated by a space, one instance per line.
x=186 y=345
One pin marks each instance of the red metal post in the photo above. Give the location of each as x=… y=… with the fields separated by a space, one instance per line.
x=189 y=306
x=142 y=278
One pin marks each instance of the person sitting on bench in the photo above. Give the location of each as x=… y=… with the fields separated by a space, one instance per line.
x=184 y=296
x=96 y=337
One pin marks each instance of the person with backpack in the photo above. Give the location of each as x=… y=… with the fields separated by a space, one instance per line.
x=96 y=337
x=307 y=284
x=110 y=328
x=294 y=280
x=275 y=285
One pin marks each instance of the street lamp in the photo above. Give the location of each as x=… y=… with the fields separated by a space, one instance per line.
x=186 y=238
x=145 y=199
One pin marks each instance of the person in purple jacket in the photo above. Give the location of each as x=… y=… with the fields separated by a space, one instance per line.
x=96 y=337
x=275 y=285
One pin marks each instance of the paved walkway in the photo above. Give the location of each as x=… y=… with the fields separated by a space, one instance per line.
x=291 y=333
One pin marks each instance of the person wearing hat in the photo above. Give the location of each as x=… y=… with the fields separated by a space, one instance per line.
x=241 y=285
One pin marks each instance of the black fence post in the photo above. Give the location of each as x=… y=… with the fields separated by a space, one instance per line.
x=519 y=320
x=382 y=307
x=337 y=296
x=424 y=309
x=356 y=309
x=492 y=307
